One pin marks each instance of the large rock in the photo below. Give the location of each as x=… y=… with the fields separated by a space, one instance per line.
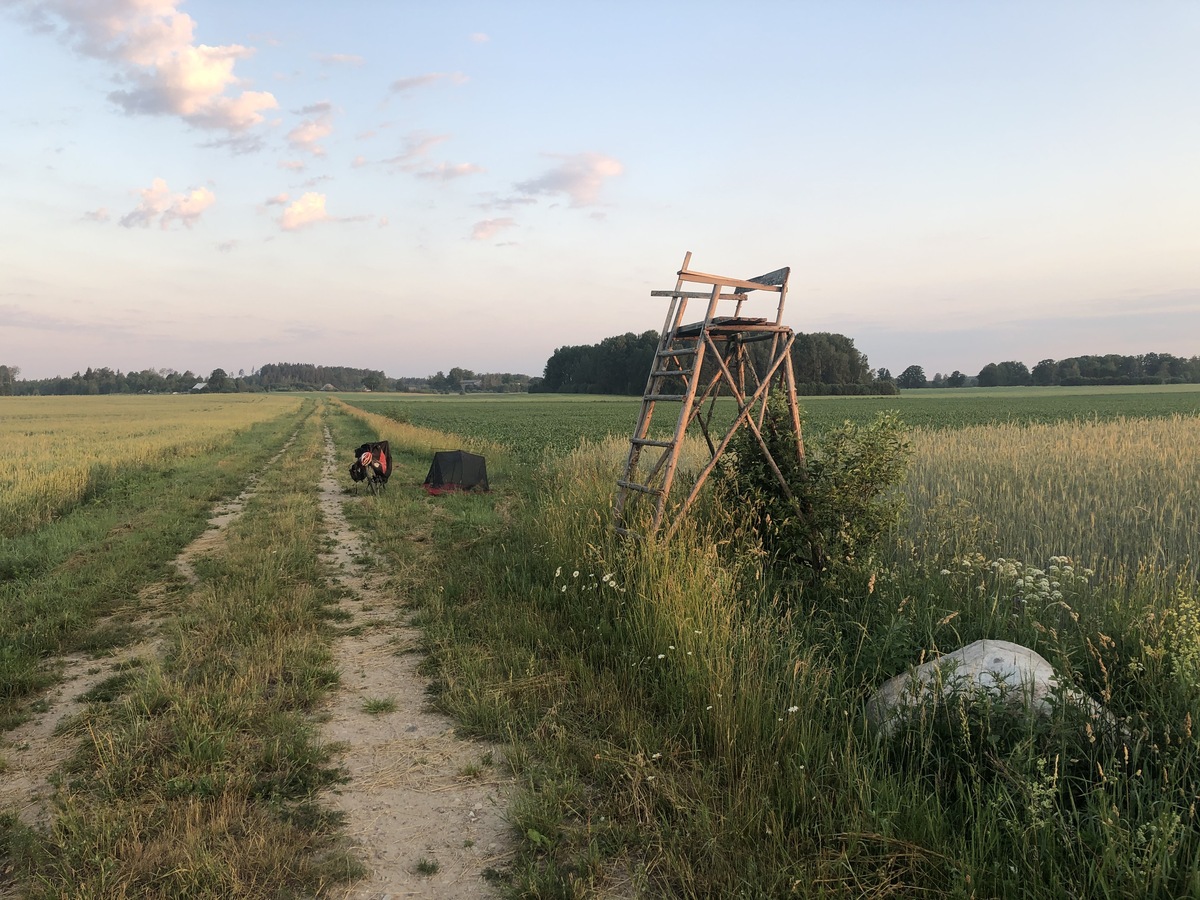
x=1000 y=668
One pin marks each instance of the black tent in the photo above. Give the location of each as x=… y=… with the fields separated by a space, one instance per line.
x=456 y=470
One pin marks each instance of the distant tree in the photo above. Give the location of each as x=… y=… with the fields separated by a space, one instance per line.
x=457 y=376
x=912 y=377
x=1045 y=372
x=989 y=375
x=373 y=381
x=956 y=379
x=218 y=381
x=8 y=379
x=1014 y=373
x=884 y=375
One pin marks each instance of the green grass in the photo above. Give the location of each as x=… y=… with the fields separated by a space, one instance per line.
x=197 y=774
x=57 y=581
x=377 y=706
x=689 y=722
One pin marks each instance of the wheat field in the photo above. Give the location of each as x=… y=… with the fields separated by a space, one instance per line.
x=60 y=450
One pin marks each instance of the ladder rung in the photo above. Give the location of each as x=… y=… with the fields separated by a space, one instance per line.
x=660 y=373
x=683 y=351
x=648 y=442
x=640 y=488
x=664 y=397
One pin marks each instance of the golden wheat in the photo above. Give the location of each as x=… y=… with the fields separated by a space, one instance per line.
x=1123 y=492
x=54 y=446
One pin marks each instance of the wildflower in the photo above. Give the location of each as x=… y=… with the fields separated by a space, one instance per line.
x=558 y=571
x=708 y=707
x=670 y=646
x=945 y=572
x=662 y=656
x=575 y=574
x=564 y=588
x=793 y=709
x=606 y=579
x=656 y=756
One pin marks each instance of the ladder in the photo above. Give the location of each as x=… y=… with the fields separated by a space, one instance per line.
x=679 y=374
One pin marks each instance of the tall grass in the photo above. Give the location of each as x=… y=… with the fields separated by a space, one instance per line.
x=680 y=714
x=63 y=451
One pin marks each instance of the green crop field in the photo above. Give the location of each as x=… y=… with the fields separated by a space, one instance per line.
x=535 y=423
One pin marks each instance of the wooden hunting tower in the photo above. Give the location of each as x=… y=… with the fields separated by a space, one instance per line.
x=679 y=374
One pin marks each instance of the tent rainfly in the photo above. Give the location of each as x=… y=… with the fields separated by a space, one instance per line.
x=456 y=470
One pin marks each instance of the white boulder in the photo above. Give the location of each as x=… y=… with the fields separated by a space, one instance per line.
x=1000 y=668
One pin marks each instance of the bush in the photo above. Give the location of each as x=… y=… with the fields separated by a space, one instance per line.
x=844 y=496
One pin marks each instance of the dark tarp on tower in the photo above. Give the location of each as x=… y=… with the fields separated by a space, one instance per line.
x=456 y=470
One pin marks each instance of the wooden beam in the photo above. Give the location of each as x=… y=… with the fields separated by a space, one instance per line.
x=704 y=278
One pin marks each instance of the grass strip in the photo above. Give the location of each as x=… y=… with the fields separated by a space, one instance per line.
x=200 y=779
x=57 y=582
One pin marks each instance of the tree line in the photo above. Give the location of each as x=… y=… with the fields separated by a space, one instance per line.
x=1109 y=369
x=824 y=363
x=271 y=377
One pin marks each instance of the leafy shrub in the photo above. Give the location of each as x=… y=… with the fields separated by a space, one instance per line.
x=843 y=494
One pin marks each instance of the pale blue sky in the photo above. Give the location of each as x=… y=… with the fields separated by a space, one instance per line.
x=411 y=187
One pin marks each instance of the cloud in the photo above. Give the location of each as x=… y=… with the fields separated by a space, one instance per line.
x=227 y=246
x=159 y=203
x=448 y=172
x=489 y=228
x=292 y=165
x=339 y=59
x=307 y=210
x=580 y=176
x=97 y=215
x=403 y=85
x=478 y=37
x=277 y=200
x=491 y=201
x=417 y=145
x=358 y=162
x=151 y=45
x=319 y=126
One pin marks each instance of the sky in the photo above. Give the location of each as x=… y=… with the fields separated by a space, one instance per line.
x=413 y=186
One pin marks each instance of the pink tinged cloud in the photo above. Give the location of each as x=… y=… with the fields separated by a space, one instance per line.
x=308 y=209
x=448 y=172
x=416 y=148
x=340 y=59
x=304 y=136
x=489 y=228
x=151 y=44
x=292 y=165
x=403 y=85
x=97 y=215
x=277 y=200
x=478 y=37
x=580 y=176
x=157 y=202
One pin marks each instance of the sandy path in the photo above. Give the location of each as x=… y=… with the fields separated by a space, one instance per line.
x=417 y=793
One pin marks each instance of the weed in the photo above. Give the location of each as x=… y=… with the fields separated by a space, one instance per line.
x=378 y=705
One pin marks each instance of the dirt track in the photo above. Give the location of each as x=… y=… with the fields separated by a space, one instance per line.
x=416 y=791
